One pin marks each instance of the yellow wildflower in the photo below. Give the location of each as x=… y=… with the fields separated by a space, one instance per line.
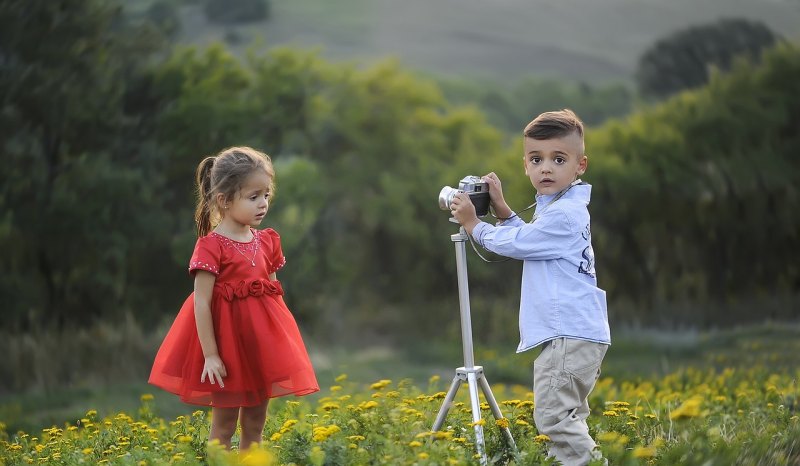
x=439 y=435
x=368 y=404
x=320 y=434
x=258 y=457
x=381 y=384
x=612 y=437
x=644 y=452
x=689 y=408
x=329 y=406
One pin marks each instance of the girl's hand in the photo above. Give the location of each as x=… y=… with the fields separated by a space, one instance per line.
x=215 y=370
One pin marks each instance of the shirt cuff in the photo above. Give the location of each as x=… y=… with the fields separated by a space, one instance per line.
x=508 y=219
x=480 y=231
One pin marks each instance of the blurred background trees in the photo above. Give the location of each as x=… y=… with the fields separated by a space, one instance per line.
x=103 y=121
x=687 y=58
x=236 y=11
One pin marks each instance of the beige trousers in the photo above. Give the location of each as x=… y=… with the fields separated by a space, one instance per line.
x=563 y=376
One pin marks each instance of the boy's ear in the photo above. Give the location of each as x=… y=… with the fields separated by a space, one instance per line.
x=525 y=165
x=583 y=165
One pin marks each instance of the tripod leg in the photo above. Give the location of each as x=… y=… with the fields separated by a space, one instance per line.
x=487 y=393
x=476 y=415
x=448 y=403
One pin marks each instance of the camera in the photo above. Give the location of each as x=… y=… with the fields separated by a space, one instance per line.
x=477 y=189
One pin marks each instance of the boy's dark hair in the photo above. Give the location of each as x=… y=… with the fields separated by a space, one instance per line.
x=557 y=124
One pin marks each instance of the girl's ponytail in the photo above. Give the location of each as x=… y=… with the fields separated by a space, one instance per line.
x=202 y=213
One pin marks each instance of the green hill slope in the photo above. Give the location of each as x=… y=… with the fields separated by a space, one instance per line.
x=581 y=39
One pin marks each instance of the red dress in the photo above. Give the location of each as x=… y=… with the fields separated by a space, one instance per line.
x=257 y=337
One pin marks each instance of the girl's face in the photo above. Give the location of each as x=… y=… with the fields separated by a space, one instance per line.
x=250 y=204
x=552 y=164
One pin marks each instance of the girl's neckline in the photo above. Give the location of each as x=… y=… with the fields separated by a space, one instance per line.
x=252 y=231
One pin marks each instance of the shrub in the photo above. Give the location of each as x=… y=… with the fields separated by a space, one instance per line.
x=237 y=11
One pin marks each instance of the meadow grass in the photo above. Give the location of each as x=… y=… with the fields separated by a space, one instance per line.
x=688 y=417
x=714 y=398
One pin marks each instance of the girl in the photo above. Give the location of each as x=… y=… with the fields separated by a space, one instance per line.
x=234 y=344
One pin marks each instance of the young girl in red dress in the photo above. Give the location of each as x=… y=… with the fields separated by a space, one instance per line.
x=234 y=344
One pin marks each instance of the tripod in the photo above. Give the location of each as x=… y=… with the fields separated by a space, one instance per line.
x=470 y=373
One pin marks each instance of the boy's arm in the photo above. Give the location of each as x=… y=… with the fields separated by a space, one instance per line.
x=547 y=238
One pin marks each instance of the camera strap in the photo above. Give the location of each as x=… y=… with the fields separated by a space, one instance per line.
x=559 y=195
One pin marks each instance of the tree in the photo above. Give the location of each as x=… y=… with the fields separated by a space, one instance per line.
x=685 y=59
x=67 y=179
x=237 y=11
x=696 y=198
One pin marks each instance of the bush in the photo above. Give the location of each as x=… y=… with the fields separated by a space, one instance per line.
x=237 y=11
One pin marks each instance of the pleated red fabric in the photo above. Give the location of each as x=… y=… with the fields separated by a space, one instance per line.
x=257 y=336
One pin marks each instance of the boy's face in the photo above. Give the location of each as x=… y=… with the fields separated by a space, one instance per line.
x=552 y=164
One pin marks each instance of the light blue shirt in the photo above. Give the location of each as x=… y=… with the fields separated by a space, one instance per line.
x=559 y=297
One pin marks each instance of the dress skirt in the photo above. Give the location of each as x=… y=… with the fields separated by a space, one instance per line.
x=258 y=341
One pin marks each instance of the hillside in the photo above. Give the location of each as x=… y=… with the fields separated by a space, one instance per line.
x=497 y=39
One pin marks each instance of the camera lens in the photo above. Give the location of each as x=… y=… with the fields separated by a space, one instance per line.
x=446 y=197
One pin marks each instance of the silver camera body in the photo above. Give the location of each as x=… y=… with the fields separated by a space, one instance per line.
x=477 y=189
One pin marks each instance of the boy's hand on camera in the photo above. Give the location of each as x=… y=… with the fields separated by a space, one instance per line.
x=501 y=208
x=464 y=211
x=495 y=187
x=214 y=369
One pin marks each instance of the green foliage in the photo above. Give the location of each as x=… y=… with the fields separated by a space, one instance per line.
x=164 y=14
x=685 y=59
x=101 y=136
x=63 y=189
x=237 y=11
x=696 y=194
x=510 y=108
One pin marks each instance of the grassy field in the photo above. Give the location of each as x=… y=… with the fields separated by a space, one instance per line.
x=595 y=40
x=634 y=356
x=700 y=399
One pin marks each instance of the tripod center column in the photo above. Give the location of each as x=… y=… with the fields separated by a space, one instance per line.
x=459 y=240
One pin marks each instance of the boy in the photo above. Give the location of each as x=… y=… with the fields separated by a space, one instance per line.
x=561 y=307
